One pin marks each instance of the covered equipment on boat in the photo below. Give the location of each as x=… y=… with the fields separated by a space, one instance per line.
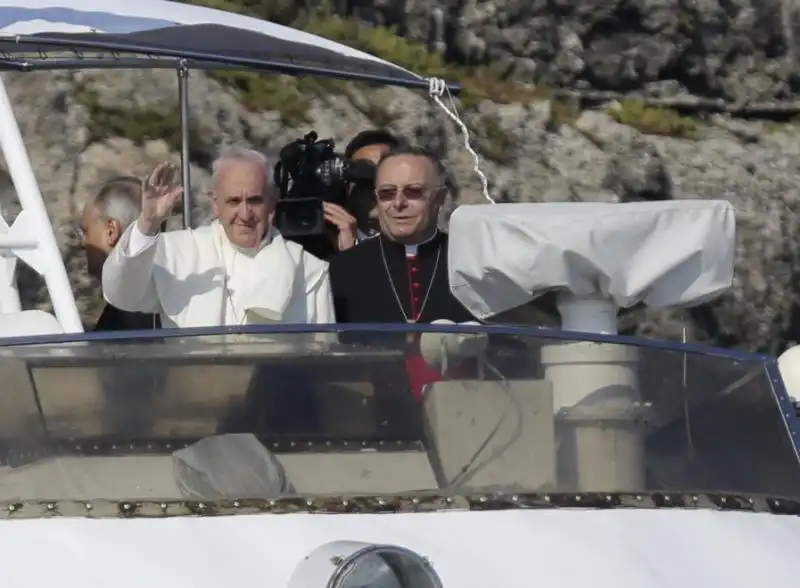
x=592 y=259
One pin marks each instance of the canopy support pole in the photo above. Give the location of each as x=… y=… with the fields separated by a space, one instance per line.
x=36 y=227
x=183 y=98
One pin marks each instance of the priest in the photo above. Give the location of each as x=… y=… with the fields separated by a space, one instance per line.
x=237 y=270
x=400 y=276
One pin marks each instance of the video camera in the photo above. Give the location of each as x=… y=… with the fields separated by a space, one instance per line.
x=308 y=173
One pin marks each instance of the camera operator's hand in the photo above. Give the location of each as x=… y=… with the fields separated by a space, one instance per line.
x=345 y=224
x=159 y=195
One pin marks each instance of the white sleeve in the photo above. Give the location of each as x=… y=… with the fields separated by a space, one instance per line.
x=139 y=241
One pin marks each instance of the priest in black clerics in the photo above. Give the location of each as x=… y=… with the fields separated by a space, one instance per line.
x=401 y=274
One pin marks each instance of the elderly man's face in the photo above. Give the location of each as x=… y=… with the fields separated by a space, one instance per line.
x=409 y=195
x=243 y=203
x=99 y=234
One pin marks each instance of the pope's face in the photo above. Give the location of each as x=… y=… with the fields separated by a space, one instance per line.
x=243 y=202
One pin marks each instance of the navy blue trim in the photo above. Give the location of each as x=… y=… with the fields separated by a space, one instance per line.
x=530 y=332
x=785 y=404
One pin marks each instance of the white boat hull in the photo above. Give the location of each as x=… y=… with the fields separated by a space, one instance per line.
x=510 y=549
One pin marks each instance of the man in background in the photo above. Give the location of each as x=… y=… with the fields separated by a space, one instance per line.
x=357 y=220
x=105 y=217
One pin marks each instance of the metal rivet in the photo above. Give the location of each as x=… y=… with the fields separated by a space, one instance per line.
x=449 y=500
x=695 y=499
x=547 y=498
x=577 y=498
x=309 y=502
x=514 y=498
x=236 y=504
x=638 y=497
x=415 y=500
x=482 y=499
x=608 y=498
x=88 y=506
x=723 y=500
x=345 y=502
x=272 y=502
x=50 y=506
x=11 y=507
x=163 y=506
x=381 y=502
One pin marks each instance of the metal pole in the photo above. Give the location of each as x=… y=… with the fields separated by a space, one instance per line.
x=183 y=98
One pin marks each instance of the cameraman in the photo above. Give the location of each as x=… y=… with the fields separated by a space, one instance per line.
x=348 y=211
x=356 y=220
x=363 y=153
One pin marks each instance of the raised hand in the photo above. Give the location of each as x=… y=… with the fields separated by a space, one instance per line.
x=160 y=192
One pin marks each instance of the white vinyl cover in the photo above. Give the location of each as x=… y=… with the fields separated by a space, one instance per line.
x=675 y=253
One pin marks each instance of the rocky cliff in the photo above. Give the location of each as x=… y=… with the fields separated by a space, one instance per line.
x=715 y=62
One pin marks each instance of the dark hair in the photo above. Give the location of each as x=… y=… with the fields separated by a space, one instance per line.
x=415 y=151
x=371 y=137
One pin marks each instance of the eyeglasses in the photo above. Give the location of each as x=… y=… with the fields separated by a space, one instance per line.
x=388 y=192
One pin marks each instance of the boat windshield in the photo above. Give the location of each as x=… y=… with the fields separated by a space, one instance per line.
x=232 y=416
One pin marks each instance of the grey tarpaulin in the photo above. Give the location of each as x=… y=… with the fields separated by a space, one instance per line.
x=229 y=466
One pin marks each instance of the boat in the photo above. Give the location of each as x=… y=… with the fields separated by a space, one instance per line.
x=296 y=456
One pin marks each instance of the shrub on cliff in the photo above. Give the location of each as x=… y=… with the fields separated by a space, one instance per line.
x=653 y=121
x=269 y=92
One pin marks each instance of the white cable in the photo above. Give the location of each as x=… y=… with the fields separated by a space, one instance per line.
x=438 y=88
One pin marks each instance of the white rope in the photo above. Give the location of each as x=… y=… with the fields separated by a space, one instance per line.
x=437 y=88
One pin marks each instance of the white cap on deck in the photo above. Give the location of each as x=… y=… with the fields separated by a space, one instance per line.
x=662 y=254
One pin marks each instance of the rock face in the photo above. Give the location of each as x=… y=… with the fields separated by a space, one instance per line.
x=733 y=50
x=736 y=49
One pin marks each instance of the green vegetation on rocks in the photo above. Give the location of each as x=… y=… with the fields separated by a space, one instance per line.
x=654 y=121
x=291 y=96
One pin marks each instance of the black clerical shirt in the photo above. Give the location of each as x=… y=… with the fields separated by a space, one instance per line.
x=379 y=282
x=114 y=319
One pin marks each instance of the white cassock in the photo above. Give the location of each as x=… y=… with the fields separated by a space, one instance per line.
x=198 y=278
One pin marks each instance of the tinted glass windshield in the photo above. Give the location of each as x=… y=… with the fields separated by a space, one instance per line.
x=248 y=416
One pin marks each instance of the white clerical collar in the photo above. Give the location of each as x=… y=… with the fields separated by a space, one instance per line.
x=411 y=250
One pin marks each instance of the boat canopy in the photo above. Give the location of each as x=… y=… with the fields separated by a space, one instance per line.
x=155 y=33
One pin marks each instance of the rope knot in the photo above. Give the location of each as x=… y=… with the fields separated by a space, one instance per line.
x=436 y=86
